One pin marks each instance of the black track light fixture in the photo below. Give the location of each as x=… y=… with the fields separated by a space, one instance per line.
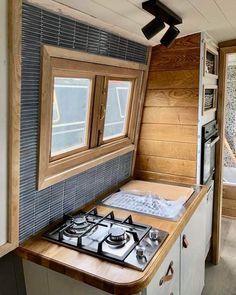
x=168 y=39
x=162 y=15
x=153 y=28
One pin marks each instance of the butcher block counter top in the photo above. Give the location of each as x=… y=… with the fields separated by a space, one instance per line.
x=105 y=275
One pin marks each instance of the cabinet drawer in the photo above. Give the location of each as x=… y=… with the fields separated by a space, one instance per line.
x=166 y=280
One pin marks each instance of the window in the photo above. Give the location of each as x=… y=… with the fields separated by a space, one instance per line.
x=117 y=108
x=70 y=116
x=89 y=110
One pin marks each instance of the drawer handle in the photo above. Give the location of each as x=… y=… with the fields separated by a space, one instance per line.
x=185 y=242
x=168 y=276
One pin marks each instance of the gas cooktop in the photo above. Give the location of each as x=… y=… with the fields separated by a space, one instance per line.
x=107 y=237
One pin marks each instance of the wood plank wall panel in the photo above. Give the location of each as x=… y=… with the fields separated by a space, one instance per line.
x=229 y=201
x=167 y=147
x=168 y=132
x=167 y=115
x=154 y=176
x=172 y=98
x=180 y=150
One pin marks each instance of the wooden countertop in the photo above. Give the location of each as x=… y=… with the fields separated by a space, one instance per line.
x=99 y=273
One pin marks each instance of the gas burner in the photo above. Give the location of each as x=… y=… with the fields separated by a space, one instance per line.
x=117 y=237
x=78 y=226
x=80 y=223
x=80 y=220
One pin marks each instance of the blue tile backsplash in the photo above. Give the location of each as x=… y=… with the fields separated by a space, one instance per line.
x=39 y=208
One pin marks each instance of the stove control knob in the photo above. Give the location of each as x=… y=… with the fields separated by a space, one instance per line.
x=140 y=250
x=153 y=234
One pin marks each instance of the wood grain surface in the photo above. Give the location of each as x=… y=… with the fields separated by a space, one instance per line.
x=167 y=115
x=169 y=132
x=229 y=201
x=14 y=94
x=168 y=136
x=166 y=165
x=217 y=212
x=175 y=59
x=186 y=79
x=181 y=150
x=154 y=176
x=99 y=273
x=172 y=98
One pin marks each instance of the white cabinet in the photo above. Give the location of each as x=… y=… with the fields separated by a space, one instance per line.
x=188 y=258
x=192 y=261
x=166 y=280
x=43 y=281
x=209 y=216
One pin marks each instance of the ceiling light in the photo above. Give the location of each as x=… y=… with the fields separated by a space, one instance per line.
x=152 y=28
x=163 y=15
x=168 y=39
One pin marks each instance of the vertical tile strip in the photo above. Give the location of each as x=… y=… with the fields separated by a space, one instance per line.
x=39 y=208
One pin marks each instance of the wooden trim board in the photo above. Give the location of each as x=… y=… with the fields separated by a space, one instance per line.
x=94 y=58
x=228 y=43
x=140 y=110
x=216 y=234
x=14 y=90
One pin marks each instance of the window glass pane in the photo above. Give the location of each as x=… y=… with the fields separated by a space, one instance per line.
x=116 y=109
x=70 y=114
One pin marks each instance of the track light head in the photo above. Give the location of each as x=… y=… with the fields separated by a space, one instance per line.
x=162 y=15
x=168 y=39
x=153 y=28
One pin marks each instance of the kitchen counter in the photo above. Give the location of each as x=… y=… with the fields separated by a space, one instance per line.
x=102 y=274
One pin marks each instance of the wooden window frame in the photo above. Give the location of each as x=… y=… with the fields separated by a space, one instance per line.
x=57 y=60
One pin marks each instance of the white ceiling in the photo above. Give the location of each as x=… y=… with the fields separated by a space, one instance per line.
x=217 y=17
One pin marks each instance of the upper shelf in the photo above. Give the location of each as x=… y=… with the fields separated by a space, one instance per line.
x=210 y=70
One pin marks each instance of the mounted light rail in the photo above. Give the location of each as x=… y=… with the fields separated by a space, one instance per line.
x=162 y=15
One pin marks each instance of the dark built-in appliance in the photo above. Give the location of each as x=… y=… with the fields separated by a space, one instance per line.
x=210 y=137
x=107 y=237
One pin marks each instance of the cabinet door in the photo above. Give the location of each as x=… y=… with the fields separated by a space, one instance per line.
x=193 y=252
x=209 y=214
x=166 y=280
x=43 y=281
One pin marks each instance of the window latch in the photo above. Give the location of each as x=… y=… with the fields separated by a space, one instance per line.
x=102 y=111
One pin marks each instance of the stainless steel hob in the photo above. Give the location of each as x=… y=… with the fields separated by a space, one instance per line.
x=107 y=237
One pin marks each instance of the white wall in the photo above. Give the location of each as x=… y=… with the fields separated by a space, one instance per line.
x=232 y=59
x=3 y=121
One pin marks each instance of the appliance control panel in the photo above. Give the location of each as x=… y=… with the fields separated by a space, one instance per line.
x=142 y=254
